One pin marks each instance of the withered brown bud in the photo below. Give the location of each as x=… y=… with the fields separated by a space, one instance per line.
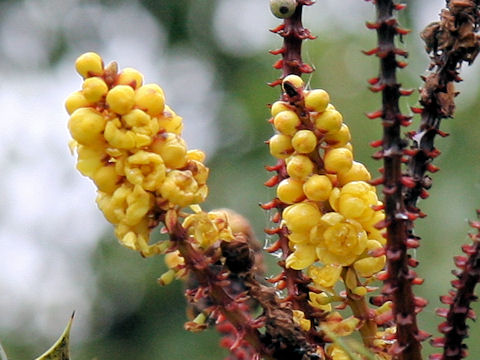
x=239 y=258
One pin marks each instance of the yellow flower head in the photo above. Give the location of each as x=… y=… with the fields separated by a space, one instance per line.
x=146 y=169
x=207 y=228
x=128 y=142
x=325 y=277
x=342 y=242
x=355 y=200
x=181 y=188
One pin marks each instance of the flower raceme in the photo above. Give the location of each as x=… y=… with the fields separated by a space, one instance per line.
x=128 y=141
x=330 y=211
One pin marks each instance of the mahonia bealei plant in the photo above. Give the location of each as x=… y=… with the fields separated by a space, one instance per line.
x=334 y=236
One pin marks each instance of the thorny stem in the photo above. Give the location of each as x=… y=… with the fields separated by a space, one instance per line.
x=398 y=286
x=451 y=41
x=197 y=263
x=460 y=309
x=455 y=328
x=293 y=34
x=294 y=281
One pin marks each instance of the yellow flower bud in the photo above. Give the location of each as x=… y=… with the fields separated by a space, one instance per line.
x=145 y=169
x=90 y=159
x=301 y=217
x=197 y=155
x=304 y=141
x=286 y=122
x=172 y=148
x=207 y=228
x=174 y=259
x=166 y=278
x=338 y=160
x=280 y=146
x=358 y=172
x=302 y=257
x=128 y=204
x=369 y=266
x=199 y=171
x=141 y=124
x=94 y=89
x=136 y=238
x=340 y=138
x=351 y=281
x=295 y=80
x=355 y=200
x=360 y=291
x=370 y=226
x=299 y=238
x=320 y=301
x=317 y=100
x=75 y=101
x=121 y=99
x=328 y=122
x=118 y=136
x=169 y=121
x=290 y=191
x=318 y=187
x=386 y=307
x=106 y=179
x=326 y=276
x=299 y=319
x=131 y=77
x=89 y=64
x=150 y=98
x=104 y=202
x=299 y=167
x=279 y=106
x=86 y=126
x=343 y=328
x=181 y=188
x=139 y=204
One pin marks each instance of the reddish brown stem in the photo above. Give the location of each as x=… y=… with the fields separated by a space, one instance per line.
x=454 y=328
x=198 y=264
x=293 y=34
x=398 y=286
x=451 y=41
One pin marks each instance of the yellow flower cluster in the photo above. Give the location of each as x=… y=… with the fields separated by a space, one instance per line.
x=205 y=229
x=332 y=210
x=129 y=143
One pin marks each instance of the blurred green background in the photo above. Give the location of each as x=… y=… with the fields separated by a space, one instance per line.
x=211 y=57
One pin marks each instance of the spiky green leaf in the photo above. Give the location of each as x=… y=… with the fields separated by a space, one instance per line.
x=61 y=349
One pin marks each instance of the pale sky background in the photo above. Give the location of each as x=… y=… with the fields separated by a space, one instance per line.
x=49 y=222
